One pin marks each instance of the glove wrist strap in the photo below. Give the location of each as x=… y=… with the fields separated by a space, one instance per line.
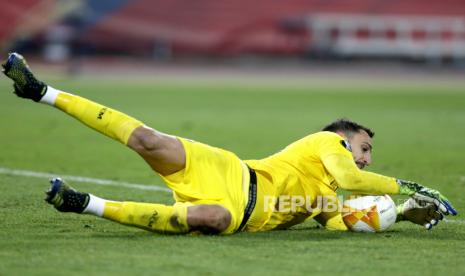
x=408 y=187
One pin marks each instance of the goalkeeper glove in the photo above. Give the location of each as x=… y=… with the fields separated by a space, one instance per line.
x=422 y=193
x=422 y=213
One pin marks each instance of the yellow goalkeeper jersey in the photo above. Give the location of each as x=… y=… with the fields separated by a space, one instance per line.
x=313 y=166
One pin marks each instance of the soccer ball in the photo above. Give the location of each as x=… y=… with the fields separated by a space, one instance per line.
x=369 y=213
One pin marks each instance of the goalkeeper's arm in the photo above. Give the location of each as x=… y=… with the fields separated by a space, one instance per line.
x=350 y=178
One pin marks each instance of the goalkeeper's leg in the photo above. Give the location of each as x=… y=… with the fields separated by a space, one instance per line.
x=155 y=217
x=177 y=219
x=164 y=153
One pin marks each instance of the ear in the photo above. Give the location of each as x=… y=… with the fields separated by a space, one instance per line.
x=342 y=134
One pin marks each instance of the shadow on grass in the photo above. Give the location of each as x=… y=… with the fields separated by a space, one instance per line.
x=299 y=234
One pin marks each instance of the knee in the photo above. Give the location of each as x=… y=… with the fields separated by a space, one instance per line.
x=218 y=219
x=209 y=218
x=144 y=139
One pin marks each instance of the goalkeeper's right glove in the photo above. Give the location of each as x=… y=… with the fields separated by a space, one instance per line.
x=422 y=213
x=422 y=193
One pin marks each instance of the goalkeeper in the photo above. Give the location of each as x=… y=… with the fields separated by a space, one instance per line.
x=214 y=190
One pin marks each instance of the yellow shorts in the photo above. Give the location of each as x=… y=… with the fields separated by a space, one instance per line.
x=212 y=176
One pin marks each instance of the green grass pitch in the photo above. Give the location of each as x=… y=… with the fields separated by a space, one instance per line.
x=420 y=134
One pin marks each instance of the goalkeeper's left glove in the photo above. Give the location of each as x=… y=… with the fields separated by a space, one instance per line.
x=422 y=193
x=422 y=213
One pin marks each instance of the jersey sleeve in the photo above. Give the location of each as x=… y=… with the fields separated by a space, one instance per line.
x=351 y=178
x=335 y=154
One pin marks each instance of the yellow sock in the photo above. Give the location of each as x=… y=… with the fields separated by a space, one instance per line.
x=153 y=217
x=110 y=122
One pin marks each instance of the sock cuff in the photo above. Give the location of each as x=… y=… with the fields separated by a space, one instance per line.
x=96 y=206
x=50 y=96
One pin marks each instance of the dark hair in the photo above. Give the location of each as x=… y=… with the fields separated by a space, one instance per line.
x=347 y=126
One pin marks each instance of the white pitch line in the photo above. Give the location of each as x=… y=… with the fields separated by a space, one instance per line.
x=73 y=178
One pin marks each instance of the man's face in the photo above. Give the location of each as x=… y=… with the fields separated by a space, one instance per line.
x=361 y=144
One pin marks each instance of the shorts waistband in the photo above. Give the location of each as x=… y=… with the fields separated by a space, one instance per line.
x=252 y=198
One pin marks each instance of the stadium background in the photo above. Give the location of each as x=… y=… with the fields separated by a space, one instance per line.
x=200 y=69
x=218 y=29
